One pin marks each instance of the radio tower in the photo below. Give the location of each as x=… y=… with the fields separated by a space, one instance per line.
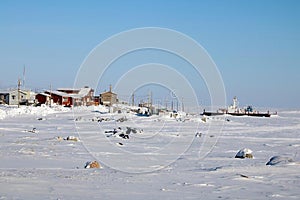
x=24 y=77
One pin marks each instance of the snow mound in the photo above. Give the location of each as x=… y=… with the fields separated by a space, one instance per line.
x=98 y=109
x=43 y=110
x=2 y=114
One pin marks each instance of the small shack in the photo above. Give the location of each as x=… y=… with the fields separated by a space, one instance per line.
x=43 y=98
x=15 y=96
x=59 y=98
x=108 y=98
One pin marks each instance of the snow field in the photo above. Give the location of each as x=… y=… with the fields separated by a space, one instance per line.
x=165 y=160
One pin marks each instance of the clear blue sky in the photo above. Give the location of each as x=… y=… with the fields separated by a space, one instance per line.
x=255 y=44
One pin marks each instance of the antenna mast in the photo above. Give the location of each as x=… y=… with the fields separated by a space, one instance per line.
x=24 y=70
x=50 y=94
x=132 y=99
x=19 y=85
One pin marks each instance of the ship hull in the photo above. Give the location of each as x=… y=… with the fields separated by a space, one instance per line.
x=251 y=114
x=212 y=113
x=237 y=114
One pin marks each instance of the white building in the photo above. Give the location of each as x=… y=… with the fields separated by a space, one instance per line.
x=13 y=97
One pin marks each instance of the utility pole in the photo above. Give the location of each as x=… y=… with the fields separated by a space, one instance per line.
x=182 y=106
x=151 y=103
x=166 y=102
x=24 y=77
x=19 y=85
x=110 y=102
x=50 y=94
x=132 y=99
x=150 y=99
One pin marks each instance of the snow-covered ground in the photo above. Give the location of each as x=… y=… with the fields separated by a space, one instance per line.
x=160 y=159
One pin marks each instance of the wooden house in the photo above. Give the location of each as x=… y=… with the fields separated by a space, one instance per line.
x=108 y=98
x=59 y=98
x=70 y=96
x=79 y=97
x=43 y=98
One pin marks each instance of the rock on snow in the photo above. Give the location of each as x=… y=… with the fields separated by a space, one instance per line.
x=275 y=160
x=244 y=153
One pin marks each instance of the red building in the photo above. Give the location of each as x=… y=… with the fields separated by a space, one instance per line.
x=43 y=98
x=69 y=96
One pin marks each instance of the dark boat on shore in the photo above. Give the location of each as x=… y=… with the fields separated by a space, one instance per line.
x=206 y=113
x=235 y=111
x=251 y=114
x=212 y=113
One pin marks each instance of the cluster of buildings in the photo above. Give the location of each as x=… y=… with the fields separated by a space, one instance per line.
x=62 y=96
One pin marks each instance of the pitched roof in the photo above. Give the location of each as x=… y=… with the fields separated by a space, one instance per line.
x=109 y=92
x=4 y=92
x=68 y=89
x=58 y=93
x=82 y=93
x=11 y=91
x=44 y=94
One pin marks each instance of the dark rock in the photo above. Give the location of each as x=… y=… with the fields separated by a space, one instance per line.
x=124 y=136
x=92 y=164
x=275 y=160
x=244 y=153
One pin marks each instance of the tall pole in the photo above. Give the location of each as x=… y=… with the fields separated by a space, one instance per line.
x=19 y=85
x=24 y=77
x=132 y=99
x=151 y=103
x=182 y=106
x=150 y=99
x=110 y=101
x=50 y=94
x=166 y=104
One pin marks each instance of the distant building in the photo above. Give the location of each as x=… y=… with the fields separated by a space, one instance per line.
x=146 y=105
x=14 y=97
x=43 y=98
x=96 y=100
x=108 y=98
x=4 y=97
x=68 y=97
x=78 y=97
